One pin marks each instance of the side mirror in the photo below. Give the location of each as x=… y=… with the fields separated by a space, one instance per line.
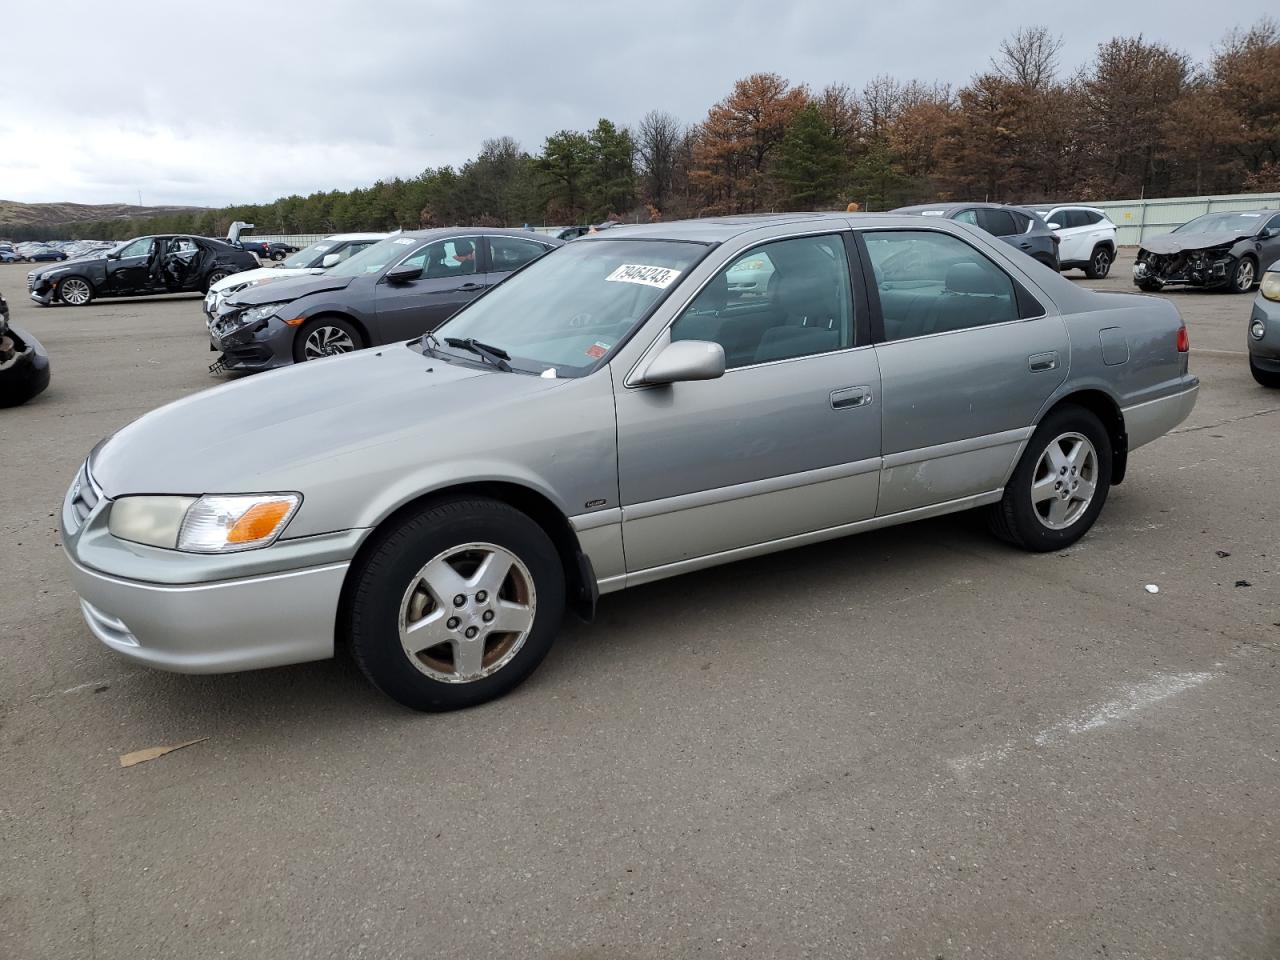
x=1269 y=233
x=684 y=360
x=403 y=274
x=1055 y=226
x=113 y=255
x=330 y=260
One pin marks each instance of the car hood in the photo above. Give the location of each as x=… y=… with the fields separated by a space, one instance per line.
x=64 y=264
x=290 y=288
x=276 y=431
x=263 y=275
x=1179 y=242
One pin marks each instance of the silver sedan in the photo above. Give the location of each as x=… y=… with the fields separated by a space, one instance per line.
x=617 y=412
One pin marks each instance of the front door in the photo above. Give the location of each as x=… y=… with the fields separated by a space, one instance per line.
x=968 y=358
x=130 y=272
x=787 y=442
x=450 y=279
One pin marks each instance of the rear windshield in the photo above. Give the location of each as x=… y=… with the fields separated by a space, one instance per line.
x=568 y=310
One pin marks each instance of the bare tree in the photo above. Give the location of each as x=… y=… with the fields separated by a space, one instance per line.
x=1029 y=58
x=657 y=143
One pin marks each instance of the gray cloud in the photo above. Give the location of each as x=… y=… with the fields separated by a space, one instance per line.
x=252 y=102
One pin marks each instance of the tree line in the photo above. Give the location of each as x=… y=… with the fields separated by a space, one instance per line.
x=1140 y=119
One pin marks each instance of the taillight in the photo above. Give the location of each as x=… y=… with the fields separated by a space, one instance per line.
x=1184 y=341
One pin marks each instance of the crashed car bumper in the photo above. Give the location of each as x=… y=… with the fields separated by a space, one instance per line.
x=1195 y=269
x=43 y=294
x=264 y=345
x=24 y=367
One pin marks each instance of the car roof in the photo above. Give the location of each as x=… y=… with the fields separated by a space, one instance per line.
x=354 y=236
x=435 y=232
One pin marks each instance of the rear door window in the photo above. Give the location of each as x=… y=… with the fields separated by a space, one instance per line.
x=998 y=223
x=931 y=282
x=512 y=253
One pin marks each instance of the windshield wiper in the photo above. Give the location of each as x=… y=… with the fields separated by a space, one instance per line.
x=431 y=340
x=494 y=355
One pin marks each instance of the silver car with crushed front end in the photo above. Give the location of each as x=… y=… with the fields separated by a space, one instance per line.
x=617 y=412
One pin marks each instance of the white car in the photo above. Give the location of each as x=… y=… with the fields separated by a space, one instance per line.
x=317 y=258
x=1087 y=238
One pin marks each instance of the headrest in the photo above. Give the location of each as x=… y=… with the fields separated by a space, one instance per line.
x=969 y=277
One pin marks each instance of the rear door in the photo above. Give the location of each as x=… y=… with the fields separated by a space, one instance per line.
x=450 y=280
x=1074 y=231
x=967 y=356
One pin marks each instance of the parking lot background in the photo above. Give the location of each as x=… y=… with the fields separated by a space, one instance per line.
x=917 y=742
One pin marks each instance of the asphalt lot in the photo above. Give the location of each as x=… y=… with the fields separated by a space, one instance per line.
x=915 y=743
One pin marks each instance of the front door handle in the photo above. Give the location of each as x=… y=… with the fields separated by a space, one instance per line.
x=471 y=286
x=1038 y=362
x=1024 y=245
x=850 y=397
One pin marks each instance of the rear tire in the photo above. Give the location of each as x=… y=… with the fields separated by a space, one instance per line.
x=1059 y=486
x=323 y=337
x=278 y=255
x=214 y=277
x=418 y=644
x=1099 y=264
x=1265 y=378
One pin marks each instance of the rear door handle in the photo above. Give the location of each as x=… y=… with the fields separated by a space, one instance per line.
x=850 y=397
x=1043 y=361
x=1025 y=246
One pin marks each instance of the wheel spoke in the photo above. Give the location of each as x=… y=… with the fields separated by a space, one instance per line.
x=1057 y=459
x=444 y=582
x=468 y=657
x=1079 y=455
x=427 y=632
x=1084 y=491
x=512 y=617
x=491 y=574
x=1042 y=490
x=1058 y=511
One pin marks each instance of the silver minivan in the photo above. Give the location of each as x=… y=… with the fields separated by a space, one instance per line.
x=614 y=413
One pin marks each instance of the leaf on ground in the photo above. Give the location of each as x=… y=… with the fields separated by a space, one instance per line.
x=151 y=753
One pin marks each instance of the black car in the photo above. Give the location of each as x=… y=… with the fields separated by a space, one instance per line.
x=159 y=264
x=24 y=365
x=397 y=289
x=277 y=250
x=1020 y=228
x=1226 y=250
x=46 y=254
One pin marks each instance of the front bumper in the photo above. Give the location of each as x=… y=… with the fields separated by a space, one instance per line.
x=264 y=345
x=44 y=293
x=200 y=613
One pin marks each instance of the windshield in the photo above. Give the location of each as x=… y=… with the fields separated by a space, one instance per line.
x=373 y=259
x=1228 y=224
x=566 y=311
x=304 y=256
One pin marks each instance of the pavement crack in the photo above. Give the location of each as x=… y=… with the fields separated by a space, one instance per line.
x=1218 y=423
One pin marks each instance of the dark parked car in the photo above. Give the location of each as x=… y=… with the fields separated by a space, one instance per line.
x=277 y=250
x=24 y=366
x=1227 y=250
x=45 y=254
x=259 y=248
x=397 y=289
x=1021 y=229
x=147 y=265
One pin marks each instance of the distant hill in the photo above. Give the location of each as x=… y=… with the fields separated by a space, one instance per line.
x=15 y=214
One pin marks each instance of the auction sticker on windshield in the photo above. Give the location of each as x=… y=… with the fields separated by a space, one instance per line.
x=661 y=277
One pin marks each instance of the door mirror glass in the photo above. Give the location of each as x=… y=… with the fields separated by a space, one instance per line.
x=113 y=255
x=330 y=260
x=685 y=360
x=1269 y=232
x=405 y=273
x=1055 y=226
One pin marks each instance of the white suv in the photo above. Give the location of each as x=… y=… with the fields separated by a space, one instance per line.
x=1088 y=238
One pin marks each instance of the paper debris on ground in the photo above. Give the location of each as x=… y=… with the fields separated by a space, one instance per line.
x=1152 y=588
x=151 y=753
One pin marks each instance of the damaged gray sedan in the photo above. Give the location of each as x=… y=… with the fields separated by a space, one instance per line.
x=1217 y=250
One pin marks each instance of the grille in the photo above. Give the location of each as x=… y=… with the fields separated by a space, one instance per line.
x=85 y=495
x=31 y=280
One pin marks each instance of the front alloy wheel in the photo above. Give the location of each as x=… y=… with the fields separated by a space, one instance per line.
x=1242 y=279
x=326 y=340
x=1099 y=264
x=75 y=291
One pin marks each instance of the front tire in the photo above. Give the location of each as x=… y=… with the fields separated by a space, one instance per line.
x=455 y=606
x=1099 y=264
x=1244 y=275
x=326 y=337
x=75 y=291
x=1060 y=484
x=1264 y=378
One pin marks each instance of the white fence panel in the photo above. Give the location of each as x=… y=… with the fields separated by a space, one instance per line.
x=1139 y=219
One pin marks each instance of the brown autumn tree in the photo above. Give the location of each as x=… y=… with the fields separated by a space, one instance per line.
x=737 y=139
x=1246 y=79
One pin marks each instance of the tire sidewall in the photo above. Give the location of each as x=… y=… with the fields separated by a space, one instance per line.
x=1034 y=534
x=1235 y=275
x=1092 y=271
x=300 y=338
x=386 y=571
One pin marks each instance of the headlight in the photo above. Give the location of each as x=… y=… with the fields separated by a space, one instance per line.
x=262 y=312
x=1257 y=329
x=1271 y=285
x=208 y=524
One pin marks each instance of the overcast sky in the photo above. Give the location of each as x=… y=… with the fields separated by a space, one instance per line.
x=214 y=104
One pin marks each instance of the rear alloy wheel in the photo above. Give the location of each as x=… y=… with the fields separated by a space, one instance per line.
x=1264 y=378
x=1244 y=275
x=1060 y=484
x=326 y=337
x=214 y=277
x=277 y=256
x=457 y=605
x=1099 y=264
x=75 y=291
